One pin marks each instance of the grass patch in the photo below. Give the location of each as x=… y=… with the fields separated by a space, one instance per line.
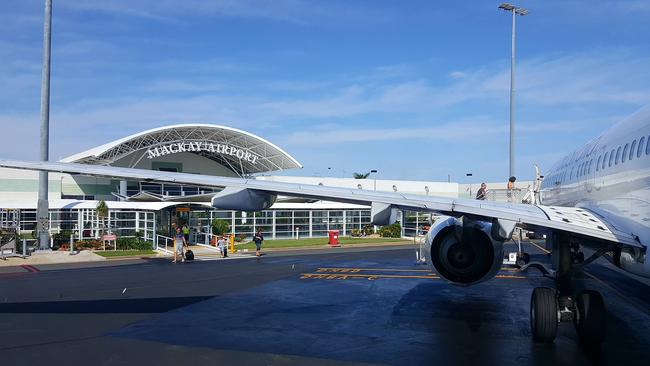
x=124 y=253
x=292 y=243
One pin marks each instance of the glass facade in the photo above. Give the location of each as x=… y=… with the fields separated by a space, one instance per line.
x=85 y=224
x=283 y=223
x=279 y=224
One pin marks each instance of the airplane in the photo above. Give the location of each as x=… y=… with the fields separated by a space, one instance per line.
x=597 y=197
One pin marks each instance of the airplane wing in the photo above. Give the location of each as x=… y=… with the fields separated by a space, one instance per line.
x=577 y=221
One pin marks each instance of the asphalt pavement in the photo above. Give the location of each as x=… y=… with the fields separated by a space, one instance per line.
x=353 y=306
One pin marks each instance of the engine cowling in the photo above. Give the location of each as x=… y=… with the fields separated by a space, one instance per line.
x=463 y=253
x=243 y=199
x=633 y=261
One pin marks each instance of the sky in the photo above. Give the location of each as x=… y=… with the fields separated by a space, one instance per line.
x=418 y=90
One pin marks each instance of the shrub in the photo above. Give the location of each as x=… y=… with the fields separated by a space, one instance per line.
x=220 y=226
x=368 y=230
x=355 y=232
x=393 y=230
x=62 y=237
x=133 y=244
x=89 y=244
x=240 y=237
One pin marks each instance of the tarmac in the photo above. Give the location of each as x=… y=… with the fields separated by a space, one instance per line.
x=318 y=307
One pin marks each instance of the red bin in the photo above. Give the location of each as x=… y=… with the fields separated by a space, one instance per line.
x=333 y=238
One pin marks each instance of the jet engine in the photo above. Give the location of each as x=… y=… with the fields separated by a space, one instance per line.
x=243 y=199
x=633 y=261
x=463 y=251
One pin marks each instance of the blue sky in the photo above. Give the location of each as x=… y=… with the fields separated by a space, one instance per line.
x=415 y=89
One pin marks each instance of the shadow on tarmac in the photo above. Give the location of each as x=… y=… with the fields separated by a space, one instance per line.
x=112 y=306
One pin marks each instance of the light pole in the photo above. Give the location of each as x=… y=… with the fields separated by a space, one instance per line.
x=515 y=10
x=43 y=204
x=375 y=183
x=470 y=184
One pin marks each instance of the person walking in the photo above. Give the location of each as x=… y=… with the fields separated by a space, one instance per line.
x=223 y=246
x=258 y=239
x=482 y=192
x=179 y=245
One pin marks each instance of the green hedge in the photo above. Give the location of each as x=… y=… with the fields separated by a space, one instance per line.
x=391 y=231
x=133 y=244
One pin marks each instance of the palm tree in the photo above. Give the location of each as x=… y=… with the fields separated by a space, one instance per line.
x=360 y=175
x=102 y=213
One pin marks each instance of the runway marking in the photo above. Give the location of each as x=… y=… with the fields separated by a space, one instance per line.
x=351 y=273
x=356 y=270
x=370 y=277
x=353 y=270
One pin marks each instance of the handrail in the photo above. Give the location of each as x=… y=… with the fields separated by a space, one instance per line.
x=166 y=239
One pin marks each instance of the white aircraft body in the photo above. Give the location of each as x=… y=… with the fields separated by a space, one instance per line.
x=597 y=197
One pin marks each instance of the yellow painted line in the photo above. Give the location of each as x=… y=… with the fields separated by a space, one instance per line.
x=509 y=269
x=348 y=269
x=511 y=277
x=356 y=270
x=344 y=276
x=540 y=248
x=371 y=277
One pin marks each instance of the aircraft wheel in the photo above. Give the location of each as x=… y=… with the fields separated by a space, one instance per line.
x=589 y=319
x=543 y=314
x=523 y=259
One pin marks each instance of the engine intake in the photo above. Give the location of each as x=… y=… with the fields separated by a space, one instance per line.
x=464 y=253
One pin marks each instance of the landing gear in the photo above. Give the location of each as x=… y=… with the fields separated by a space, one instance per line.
x=589 y=317
x=522 y=259
x=543 y=314
x=549 y=307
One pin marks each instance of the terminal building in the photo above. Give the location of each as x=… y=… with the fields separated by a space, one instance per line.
x=152 y=209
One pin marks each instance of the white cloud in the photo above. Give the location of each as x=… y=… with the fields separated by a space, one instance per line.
x=294 y=11
x=457 y=75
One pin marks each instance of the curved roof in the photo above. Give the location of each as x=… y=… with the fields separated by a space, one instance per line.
x=238 y=150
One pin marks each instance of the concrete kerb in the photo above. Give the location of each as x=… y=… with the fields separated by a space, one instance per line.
x=53 y=257
x=343 y=246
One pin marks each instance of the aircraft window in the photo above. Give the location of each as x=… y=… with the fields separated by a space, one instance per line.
x=605 y=160
x=611 y=157
x=632 y=150
x=624 y=153
x=640 y=150
x=598 y=162
x=618 y=155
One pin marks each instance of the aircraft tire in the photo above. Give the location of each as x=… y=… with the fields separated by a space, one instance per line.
x=523 y=259
x=589 y=319
x=543 y=314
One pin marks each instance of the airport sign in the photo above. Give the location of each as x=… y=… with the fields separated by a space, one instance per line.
x=197 y=146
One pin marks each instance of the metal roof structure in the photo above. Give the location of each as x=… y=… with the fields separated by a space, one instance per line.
x=240 y=151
